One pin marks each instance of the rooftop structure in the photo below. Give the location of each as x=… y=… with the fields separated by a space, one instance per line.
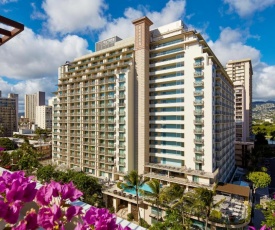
x=9 y=29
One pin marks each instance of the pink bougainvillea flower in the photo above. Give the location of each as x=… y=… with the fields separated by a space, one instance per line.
x=49 y=217
x=29 y=222
x=44 y=195
x=56 y=187
x=12 y=212
x=45 y=218
x=73 y=211
x=29 y=191
x=69 y=191
x=100 y=218
x=3 y=209
x=264 y=228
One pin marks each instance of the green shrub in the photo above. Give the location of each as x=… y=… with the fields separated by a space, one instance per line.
x=143 y=223
x=130 y=216
x=119 y=185
x=112 y=210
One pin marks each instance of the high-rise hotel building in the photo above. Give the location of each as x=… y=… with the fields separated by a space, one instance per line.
x=159 y=102
x=240 y=72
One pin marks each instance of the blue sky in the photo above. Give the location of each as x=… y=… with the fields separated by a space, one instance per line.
x=60 y=30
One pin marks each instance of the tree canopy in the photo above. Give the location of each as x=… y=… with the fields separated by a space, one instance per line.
x=7 y=144
x=259 y=179
x=88 y=185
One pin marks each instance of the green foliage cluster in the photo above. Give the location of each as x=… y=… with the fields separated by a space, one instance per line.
x=265 y=127
x=268 y=211
x=143 y=223
x=23 y=158
x=7 y=144
x=259 y=179
x=88 y=185
x=130 y=216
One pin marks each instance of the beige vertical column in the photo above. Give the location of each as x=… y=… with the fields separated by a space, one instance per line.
x=142 y=41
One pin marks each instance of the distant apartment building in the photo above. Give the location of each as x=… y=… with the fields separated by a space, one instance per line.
x=240 y=72
x=159 y=102
x=31 y=101
x=44 y=117
x=8 y=114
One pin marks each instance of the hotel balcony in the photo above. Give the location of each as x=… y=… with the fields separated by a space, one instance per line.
x=198 y=131
x=198 y=102
x=198 y=74
x=198 y=141
x=122 y=155
x=198 y=122
x=199 y=151
x=199 y=84
x=198 y=160
x=122 y=164
x=198 y=112
x=199 y=93
x=174 y=179
x=182 y=169
x=198 y=64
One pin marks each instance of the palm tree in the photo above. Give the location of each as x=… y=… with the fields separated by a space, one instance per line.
x=134 y=181
x=205 y=199
x=155 y=193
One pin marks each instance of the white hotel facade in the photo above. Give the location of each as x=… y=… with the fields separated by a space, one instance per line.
x=159 y=102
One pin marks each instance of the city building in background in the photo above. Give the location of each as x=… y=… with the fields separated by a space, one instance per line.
x=8 y=114
x=159 y=102
x=31 y=101
x=240 y=72
x=44 y=117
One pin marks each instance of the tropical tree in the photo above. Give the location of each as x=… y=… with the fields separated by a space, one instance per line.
x=7 y=144
x=268 y=211
x=28 y=162
x=259 y=180
x=155 y=194
x=134 y=181
x=205 y=199
x=46 y=173
x=173 y=221
x=5 y=159
x=186 y=206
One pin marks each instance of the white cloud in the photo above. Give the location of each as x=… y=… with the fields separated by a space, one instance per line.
x=66 y=16
x=263 y=82
x=248 y=7
x=122 y=27
x=36 y=14
x=29 y=55
x=7 y=1
x=231 y=46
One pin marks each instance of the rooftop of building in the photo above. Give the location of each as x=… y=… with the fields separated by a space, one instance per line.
x=239 y=60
